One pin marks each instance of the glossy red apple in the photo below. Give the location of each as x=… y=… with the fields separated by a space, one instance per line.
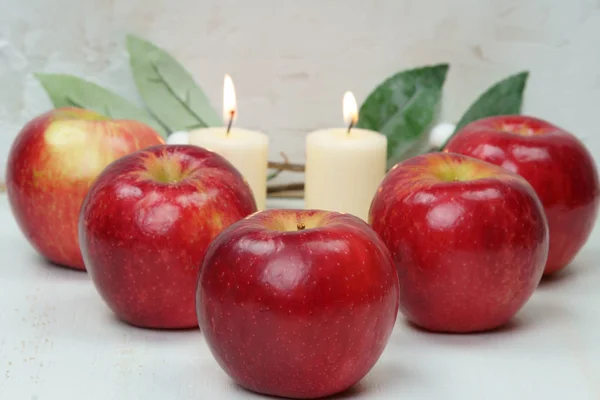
x=51 y=165
x=145 y=226
x=469 y=240
x=554 y=162
x=297 y=304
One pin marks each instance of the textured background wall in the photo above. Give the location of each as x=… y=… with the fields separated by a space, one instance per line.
x=292 y=60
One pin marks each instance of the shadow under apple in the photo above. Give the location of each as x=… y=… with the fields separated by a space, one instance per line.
x=382 y=377
x=561 y=278
x=535 y=316
x=582 y=268
x=59 y=268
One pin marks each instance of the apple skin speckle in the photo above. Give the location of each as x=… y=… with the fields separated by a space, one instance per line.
x=469 y=240
x=557 y=165
x=310 y=316
x=143 y=246
x=51 y=165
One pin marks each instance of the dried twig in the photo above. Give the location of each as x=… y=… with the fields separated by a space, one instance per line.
x=284 y=166
x=286 y=187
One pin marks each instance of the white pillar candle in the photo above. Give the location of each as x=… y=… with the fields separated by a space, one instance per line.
x=179 y=137
x=246 y=150
x=344 y=166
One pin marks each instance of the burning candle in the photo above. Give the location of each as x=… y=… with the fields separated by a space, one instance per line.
x=344 y=166
x=247 y=150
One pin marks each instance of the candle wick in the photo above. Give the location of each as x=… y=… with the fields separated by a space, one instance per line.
x=350 y=126
x=231 y=115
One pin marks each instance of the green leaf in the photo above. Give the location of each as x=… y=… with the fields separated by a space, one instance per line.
x=167 y=89
x=71 y=91
x=412 y=124
x=503 y=98
x=404 y=107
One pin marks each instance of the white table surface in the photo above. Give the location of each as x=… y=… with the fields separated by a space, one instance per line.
x=58 y=341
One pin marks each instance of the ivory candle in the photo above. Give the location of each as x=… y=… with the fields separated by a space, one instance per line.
x=246 y=150
x=344 y=166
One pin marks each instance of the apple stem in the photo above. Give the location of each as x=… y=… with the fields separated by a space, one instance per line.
x=300 y=226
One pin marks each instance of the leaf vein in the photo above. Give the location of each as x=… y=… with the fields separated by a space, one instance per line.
x=183 y=102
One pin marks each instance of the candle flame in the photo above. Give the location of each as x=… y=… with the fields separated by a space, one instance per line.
x=350 y=109
x=229 y=103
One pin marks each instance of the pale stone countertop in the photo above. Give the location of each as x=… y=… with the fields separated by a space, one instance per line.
x=59 y=341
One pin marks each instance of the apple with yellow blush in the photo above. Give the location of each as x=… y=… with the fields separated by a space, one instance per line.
x=469 y=240
x=51 y=165
x=554 y=161
x=145 y=226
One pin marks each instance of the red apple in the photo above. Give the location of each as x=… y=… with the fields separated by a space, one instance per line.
x=469 y=240
x=145 y=226
x=298 y=304
x=554 y=162
x=51 y=165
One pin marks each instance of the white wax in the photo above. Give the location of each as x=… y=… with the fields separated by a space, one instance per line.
x=179 y=137
x=247 y=150
x=343 y=170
